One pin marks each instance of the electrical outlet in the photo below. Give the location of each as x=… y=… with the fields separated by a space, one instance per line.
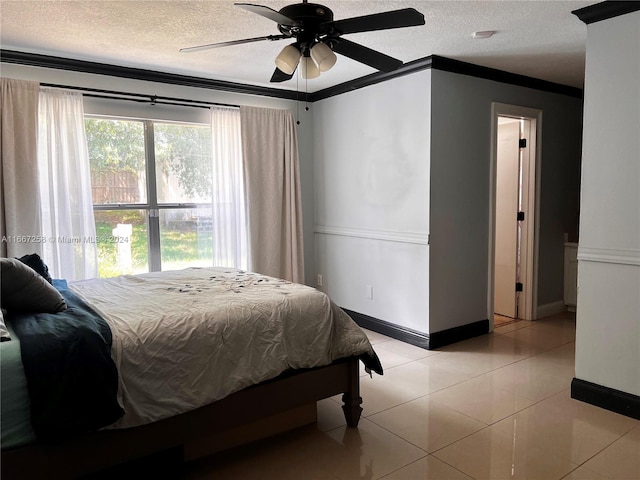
x=319 y=280
x=369 y=292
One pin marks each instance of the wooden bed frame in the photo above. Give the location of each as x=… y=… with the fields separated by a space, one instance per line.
x=93 y=452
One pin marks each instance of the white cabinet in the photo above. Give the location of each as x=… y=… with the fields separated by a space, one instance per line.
x=570 y=275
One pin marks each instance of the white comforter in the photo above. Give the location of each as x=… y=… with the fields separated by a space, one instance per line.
x=183 y=339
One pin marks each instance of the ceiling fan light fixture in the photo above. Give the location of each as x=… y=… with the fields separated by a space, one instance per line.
x=323 y=56
x=287 y=60
x=308 y=68
x=316 y=36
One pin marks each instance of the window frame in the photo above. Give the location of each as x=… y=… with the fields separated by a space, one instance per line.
x=152 y=207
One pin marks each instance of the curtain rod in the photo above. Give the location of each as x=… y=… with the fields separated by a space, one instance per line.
x=139 y=97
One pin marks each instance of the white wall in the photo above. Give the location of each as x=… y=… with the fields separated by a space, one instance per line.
x=371 y=160
x=608 y=309
x=305 y=130
x=460 y=167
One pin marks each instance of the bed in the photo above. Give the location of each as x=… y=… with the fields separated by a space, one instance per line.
x=196 y=352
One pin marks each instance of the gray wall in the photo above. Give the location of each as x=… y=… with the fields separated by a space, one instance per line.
x=460 y=163
x=437 y=127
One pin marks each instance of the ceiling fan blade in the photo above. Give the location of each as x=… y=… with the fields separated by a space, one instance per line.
x=406 y=17
x=269 y=13
x=232 y=42
x=365 y=55
x=279 y=76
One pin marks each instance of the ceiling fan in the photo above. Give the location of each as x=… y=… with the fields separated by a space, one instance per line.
x=317 y=36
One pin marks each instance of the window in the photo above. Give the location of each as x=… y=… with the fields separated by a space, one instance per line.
x=152 y=187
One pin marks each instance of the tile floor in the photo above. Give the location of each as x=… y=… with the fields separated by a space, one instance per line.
x=493 y=407
x=500 y=320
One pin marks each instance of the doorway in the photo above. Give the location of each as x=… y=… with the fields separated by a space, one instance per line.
x=514 y=206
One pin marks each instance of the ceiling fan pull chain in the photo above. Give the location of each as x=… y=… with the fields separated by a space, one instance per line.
x=298 y=99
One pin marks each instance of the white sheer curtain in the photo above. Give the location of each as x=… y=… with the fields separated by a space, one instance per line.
x=272 y=182
x=65 y=187
x=19 y=195
x=229 y=218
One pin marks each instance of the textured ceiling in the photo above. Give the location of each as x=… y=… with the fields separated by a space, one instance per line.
x=541 y=39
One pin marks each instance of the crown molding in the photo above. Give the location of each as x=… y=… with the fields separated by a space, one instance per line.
x=449 y=65
x=60 y=63
x=605 y=10
x=432 y=61
x=372 y=79
x=473 y=70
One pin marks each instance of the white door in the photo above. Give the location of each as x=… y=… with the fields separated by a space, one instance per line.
x=506 y=227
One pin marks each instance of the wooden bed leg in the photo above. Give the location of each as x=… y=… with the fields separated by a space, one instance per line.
x=351 y=398
x=352 y=409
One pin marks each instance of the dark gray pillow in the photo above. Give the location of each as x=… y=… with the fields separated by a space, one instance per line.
x=35 y=262
x=22 y=289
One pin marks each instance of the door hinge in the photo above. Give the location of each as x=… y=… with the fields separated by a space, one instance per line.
x=521 y=216
x=522 y=143
x=518 y=286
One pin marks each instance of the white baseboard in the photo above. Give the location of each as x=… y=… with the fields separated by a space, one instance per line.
x=552 y=308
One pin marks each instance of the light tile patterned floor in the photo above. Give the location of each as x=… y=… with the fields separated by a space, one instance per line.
x=493 y=407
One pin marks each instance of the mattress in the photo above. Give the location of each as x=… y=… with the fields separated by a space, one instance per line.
x=184 y=339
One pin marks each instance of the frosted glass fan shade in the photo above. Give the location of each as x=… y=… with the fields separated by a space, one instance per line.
x=308 y=68
x=323 y=56
x=287 y=60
